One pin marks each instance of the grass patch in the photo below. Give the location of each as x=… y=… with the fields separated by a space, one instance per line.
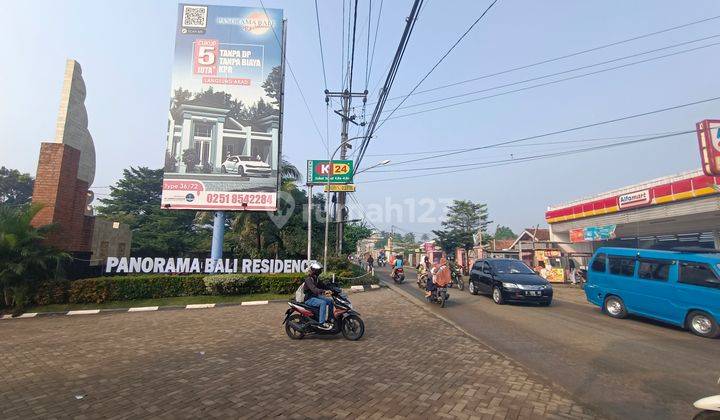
x=171 y=301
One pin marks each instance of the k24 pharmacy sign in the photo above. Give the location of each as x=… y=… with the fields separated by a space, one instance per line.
x=206 y=265
x=340 y=172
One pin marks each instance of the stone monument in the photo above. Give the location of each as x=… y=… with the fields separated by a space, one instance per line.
x=66 y=170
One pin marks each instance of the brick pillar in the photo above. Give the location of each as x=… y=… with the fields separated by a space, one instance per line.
x=63 y=197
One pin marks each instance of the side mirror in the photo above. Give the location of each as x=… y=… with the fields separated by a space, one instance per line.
x=487 y=271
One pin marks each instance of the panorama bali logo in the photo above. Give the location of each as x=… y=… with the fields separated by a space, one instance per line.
x=257 y=23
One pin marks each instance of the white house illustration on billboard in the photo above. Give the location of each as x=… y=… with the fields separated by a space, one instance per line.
x=214 y=136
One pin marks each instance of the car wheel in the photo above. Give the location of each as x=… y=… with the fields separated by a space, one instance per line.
x=223 y=170
x=241 y=171
x=703 y=324
x=497 y=296
x=615 y=307
x=546 y=303
x=471 y=288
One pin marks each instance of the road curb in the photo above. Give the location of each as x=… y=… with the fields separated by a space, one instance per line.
x=552 y=384
x=192 y=306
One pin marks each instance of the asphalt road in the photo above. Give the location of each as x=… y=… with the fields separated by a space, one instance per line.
x=625 y=369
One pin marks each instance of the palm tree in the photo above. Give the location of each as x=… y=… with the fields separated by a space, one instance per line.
x=25 y=260
x=289 y=172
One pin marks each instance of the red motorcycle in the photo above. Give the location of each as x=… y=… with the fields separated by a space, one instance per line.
x=302 y=319
x=399 y=276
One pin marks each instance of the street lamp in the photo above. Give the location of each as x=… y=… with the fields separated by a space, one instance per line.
x=381 y=163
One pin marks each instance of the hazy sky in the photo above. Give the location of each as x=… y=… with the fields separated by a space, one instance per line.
x=125 y=49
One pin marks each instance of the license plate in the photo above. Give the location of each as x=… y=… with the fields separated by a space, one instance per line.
x=532 y=293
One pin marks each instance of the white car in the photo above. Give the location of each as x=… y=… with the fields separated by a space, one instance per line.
x=245 y=166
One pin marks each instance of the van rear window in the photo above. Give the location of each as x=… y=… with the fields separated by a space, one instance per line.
x=598 y=263
x=622 y=266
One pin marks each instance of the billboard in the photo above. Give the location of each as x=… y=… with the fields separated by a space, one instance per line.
x=341 y=172
x=709 y=142
x=224 y=137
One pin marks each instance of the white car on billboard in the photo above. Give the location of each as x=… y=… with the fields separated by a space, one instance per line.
x=245 y=166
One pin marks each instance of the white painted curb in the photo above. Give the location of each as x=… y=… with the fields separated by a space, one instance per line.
x=84 y=312
x=143 y=309
x=28 y=315
x=200 y=306
x=357 y=288
x=374 y=286
x=6 y=317
x=254 y=302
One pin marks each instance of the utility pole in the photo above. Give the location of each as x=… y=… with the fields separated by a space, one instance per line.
x=344 y=114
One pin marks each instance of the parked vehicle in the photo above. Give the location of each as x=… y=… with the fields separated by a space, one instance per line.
x=710 y=407
x=509 y=280
x=399 y=276
x=439 y=296
x=301 y=319
x=677 y=287
x=246 y=166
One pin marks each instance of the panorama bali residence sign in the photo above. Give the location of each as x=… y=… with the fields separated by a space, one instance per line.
x=224 y=138
x=182 y=265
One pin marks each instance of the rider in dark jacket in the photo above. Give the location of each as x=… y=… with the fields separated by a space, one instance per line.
x=316 y=294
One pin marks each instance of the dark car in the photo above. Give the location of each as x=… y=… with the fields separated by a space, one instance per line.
x=509 y=280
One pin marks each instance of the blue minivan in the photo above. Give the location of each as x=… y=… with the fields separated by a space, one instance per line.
x=677 y=287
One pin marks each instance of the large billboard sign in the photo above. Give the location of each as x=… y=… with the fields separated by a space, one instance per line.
x=224 y=130
x=340 y=172
x=709 y=142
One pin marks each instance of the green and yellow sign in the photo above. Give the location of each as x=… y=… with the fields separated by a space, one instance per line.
x=318 y=171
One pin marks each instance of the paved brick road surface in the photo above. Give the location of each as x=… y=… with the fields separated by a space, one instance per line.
x=237 y=362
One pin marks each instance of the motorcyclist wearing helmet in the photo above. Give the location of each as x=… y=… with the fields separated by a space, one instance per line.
x=316 y=295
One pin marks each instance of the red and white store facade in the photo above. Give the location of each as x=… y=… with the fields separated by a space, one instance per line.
x=678 y=210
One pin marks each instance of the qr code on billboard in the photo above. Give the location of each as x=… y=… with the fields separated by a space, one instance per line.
x=194 y=16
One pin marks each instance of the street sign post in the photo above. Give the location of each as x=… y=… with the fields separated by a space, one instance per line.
x=340 y=173
x=340 y=188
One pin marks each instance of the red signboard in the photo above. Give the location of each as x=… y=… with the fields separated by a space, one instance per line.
x=577 y=235
x=695 y=185
x=205 y=54
x=707 y=134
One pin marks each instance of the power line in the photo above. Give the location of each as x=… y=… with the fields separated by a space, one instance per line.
x=322 y=54
x=292 y=73
x=550 y=60
x=429 y=168
x=563 y=72
x=377 y=26
x=567 y=130
x=530 y=158
x=427 y=152
x=390 y=79
x=432 y=69
x=367 y=46
x=352 y=56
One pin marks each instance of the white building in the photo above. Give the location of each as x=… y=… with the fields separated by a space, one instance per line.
x=214 y=136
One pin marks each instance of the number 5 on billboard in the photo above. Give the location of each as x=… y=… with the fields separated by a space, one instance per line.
x=206 y=56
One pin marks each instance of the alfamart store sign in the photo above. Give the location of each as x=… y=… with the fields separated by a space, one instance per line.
x=206 y=265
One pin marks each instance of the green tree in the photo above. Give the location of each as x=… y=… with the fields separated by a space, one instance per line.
x=425 y=237
x=16 y=188
x=354 y=232
x=464 y=220
x=504 y=232
x=25 y=259
x=135 y=200
x=409 y=238
x=273 y=86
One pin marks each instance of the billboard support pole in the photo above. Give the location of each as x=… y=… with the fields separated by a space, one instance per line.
x=216 y=250
x=309 y=226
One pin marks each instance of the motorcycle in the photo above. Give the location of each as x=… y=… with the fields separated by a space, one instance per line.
x=381 y=262
x=422 y=280
x=439 y=296
x=456 y=279
x=710 y=407
x=399 y=276
x=302 y=319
